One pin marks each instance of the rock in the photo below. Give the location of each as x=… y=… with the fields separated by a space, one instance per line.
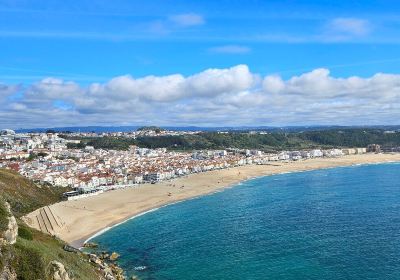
x=8 y=273
x=117 y=270
x=101 y=266
x=9 y=236
x=110 y=271
x=96 y=260
x=114 y=256
x=58 y=271
x=93 y=257
x=90 y=245
x=104 y=256
x=110 y=277
x=107 y=271
x=71 y=249
x=120 y=277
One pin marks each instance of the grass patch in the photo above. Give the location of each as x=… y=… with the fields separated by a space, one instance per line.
x=50 y=248
x=3 y=216
x=30 y=257
x=25 y=232
x=28 y=263
x=25 y=196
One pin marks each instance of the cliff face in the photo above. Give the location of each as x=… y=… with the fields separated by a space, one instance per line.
x=58 y=271
x=9 y=235
x=8 y=274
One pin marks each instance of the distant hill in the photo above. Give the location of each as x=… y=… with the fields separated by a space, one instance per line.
x=101 y=129
x=150 y=128
x=97 y=129
x=269 y=142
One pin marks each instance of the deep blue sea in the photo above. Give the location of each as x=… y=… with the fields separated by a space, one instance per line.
x=340 y=223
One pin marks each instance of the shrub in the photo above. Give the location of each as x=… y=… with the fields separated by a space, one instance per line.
x=28 y=263
x=24 y=232
x=3 y=216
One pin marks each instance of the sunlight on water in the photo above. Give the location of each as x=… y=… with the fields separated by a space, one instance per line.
x=341 y=223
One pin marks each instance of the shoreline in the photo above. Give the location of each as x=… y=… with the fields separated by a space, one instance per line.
x=87 y=218
x=104 y=230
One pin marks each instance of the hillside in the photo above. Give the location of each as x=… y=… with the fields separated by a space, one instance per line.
x=23 y=195
x=269 y=142
x=34 y=255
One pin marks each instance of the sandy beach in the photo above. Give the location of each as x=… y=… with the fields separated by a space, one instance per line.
x=77 y=220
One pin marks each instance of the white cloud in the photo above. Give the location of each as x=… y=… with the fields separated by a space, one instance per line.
x=189 y=19
x=231 y=96
x=273 y=84
x=230 y=49
x=213 y=82
x=320 y=84
x=152 y=88
x=349 y=26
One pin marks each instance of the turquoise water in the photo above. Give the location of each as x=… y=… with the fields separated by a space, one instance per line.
x=341 y=223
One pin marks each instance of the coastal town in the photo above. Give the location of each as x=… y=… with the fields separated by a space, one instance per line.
x=207 y=140
x=45 y=158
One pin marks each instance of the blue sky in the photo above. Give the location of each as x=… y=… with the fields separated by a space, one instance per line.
x=89 y=42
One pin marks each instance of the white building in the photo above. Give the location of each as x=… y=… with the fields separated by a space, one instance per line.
x=316 y=153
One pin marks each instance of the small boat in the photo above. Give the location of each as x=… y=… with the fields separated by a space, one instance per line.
x=139 y=268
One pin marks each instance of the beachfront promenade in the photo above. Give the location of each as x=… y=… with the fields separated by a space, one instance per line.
x=82 y=218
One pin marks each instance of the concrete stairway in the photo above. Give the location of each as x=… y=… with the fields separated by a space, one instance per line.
x=46 y=221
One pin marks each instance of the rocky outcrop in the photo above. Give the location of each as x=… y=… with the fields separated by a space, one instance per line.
x=114 y=256
x=8 y=273
x=90 y=245
x=70 y=249
x=6 y=270
x=9 y=236
x=58 y=271
x=109 y=271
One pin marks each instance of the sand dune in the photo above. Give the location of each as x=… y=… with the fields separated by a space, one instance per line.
x=82 y=218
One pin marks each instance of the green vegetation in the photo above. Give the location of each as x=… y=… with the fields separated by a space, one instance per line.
x=273 y=141
x=3 y=217
x=31 y=255
x=352 y=137
x=156 y=129
x=115 y=143
x=45 y=249
x=28 y=262
x=25 y=232
x=25 y=196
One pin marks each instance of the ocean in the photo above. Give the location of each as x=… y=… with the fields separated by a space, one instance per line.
x=338 y=223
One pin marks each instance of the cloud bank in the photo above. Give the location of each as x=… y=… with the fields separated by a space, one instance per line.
x=214 y=97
